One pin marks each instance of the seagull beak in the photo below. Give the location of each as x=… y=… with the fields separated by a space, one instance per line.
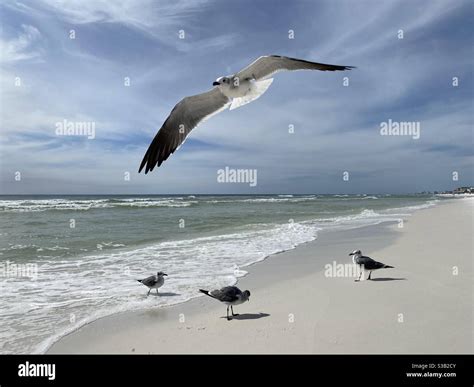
x=215 y=83
x=351 y=254
x=165 y=274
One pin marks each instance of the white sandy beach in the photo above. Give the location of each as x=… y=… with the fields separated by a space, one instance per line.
x=420 y=306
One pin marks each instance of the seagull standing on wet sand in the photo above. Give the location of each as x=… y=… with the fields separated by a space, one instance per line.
x=230 y=295
x=229 y=91
x=154 y=281
x=366 y=263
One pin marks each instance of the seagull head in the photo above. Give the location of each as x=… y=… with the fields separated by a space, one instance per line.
x=161 y=274
x=356 y=252
x=246 y=294
x=221 y=81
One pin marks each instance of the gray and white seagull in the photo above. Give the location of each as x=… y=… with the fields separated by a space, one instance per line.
x=229 y=295
x=154 y=281
x=233 y=90
x=367 y=263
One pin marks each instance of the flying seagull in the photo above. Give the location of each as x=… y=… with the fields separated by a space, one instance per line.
x=154 y=281
x=233 y=90
x=366 y=263
x=230 y=295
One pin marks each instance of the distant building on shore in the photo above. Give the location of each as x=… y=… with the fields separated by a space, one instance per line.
x=463 y=190
x=458 y=191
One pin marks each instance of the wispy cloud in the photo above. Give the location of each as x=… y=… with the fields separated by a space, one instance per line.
x=160 y=20
x=25 y=46
x=140 y=14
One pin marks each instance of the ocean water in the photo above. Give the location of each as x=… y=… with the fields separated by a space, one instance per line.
x=67 y=260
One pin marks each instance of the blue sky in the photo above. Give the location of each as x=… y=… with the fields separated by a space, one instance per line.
x=336 y=127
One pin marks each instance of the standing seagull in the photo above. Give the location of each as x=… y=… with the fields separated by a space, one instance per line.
x=230 y=295
x=154 y=281
x=233 y=90
x=366 y=263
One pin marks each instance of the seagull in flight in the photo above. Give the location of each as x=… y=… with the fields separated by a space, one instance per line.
x=367 y=263
x=228 y=91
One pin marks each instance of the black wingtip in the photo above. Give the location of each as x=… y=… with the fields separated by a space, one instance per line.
x=206 y=292
x=143 y=163
x=343 y=68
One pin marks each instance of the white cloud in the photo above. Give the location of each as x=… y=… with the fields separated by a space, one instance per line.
x=23 y=47
x=160 y=20
x=149 y=16
x=213 y=43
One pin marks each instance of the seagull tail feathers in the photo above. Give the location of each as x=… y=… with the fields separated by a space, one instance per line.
x=206 y=292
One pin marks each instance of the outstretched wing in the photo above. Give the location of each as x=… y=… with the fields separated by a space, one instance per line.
x=265 y=66
x=184 y=117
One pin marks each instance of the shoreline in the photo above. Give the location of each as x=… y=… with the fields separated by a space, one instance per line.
x=285 y=242
x=190 y=322
x=46 y=347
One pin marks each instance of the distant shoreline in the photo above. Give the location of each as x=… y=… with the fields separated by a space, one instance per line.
x=218 y=194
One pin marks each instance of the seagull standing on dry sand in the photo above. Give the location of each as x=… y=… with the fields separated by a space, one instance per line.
x=233 y=90
x=230 y=295
x=366 y=263
x=154 y=281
